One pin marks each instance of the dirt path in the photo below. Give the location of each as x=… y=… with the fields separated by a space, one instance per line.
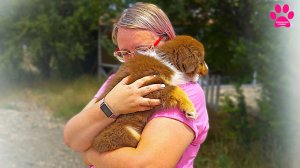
x=33 y=139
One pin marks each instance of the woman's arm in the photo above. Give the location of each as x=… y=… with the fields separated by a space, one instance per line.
x=83 y=127
x=80 y=130
x=162 y=143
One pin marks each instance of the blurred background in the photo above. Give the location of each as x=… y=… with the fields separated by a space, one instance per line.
x=54 y=56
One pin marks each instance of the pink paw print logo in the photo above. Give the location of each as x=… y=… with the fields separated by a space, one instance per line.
x=282 y=19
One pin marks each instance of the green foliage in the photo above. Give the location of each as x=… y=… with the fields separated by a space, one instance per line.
x=59 y=37
x=241 y=138
x=270 y=64
x=224 y=148
x=227 y=29
x=262 y=130
x=239 y=117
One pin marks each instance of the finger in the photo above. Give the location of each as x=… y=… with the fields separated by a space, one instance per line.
x=124 y=81
x=140 y=82
x=144 y=108
x=150 y=102
x=151 y=88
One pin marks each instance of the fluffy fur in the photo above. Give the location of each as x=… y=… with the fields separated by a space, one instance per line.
x=178 y=61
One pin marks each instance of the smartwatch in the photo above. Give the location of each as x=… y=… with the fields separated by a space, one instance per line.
x=107 y=110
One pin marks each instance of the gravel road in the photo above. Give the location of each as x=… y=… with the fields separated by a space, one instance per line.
x=32 y=138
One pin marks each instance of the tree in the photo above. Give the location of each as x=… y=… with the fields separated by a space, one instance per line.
x=59 y=37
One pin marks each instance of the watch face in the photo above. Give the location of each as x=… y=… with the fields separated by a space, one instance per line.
x=106 y=110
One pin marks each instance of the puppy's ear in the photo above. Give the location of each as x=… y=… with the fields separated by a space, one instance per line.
x=187 y=59
x=185 y=53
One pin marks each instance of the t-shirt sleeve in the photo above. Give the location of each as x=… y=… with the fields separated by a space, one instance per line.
x=102 y=88
x=176 y=114
x=199 y=125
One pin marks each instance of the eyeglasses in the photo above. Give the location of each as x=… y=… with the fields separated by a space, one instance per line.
x=120 y=54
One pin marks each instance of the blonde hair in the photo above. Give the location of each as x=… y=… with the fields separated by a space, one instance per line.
x=144 y=16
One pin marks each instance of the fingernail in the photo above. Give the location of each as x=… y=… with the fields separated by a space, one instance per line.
x=163 y=85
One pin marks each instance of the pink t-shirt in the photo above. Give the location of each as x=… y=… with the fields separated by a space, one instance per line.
x=199 y=126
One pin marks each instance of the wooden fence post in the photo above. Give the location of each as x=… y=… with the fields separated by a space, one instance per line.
x=207 y=86
x=218 y=92
x=212 y=87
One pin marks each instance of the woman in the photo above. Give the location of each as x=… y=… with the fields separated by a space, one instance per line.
x=169 y=139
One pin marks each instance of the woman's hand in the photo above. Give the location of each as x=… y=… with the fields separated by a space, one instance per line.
x=124 y=98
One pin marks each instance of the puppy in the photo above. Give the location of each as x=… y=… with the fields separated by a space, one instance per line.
x=178 y=61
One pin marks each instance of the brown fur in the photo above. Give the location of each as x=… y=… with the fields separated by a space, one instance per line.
x=187 y=55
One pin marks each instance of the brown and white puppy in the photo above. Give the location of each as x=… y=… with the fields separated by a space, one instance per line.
x=178 y=61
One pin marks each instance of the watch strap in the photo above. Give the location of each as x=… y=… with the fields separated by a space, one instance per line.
x=107 y=110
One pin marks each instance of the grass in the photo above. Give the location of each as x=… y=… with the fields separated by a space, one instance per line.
x=223 y=150
x=66 y=98
x=63 y=98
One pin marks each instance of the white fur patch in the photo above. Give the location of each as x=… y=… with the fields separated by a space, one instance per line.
x=179 y=77
x=133 y=132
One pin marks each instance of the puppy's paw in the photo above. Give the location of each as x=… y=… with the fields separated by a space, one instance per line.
x=135 y=134
x=191 y=115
